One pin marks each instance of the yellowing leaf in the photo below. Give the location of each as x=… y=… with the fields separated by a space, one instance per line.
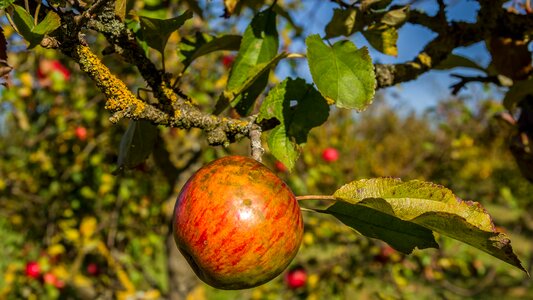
x=198 y=293
x=344 y=22
x=152 y=294
x=56 y=249
x=120 y=9
x=88 y=227
x=72 y=235
x=230 y=6
x=383 y=39
x=405 y=207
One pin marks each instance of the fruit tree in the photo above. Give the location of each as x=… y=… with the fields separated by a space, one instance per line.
x=135 y=130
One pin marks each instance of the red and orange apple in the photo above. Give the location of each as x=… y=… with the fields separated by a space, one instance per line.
x=237 y=223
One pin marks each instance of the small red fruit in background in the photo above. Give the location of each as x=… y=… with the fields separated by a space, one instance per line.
x=32 y=269
x=81 y=133
x=49 y=278
x=387 y=254
x=227 y=60
x=93 y=269
x=296 y=278
x=330 y=155
x=47 y=67
x=59 y=284
x=59 y=67
x=280 y=167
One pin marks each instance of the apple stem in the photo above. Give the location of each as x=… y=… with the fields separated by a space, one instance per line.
x=316 y=197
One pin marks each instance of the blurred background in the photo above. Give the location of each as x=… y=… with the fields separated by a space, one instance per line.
x=72 y=228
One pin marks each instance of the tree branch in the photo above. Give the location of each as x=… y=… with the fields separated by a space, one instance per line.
x=492 y=19
x=176 y=110
x=464 y=80
x=121 y=101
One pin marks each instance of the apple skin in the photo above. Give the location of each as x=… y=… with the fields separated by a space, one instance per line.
x=237 y=223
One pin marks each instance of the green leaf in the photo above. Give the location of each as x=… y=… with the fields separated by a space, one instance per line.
x=298 y=107
x=401 y=235
x=433 y=207
x=517 y=92
x=343 y=74
x=258 y=50
x=155 y=32
x=204 y=44
x=136 y=144
x=51 y=22
x=344 y=22
x=24 y=22
x=243 y=98
x=120 y=9
x=31 y=33
x=6 y=3
x=383 y=38
x=254 y=74
x=281 y=146
x=396 y=17
x=375 y=4
x=458 y=61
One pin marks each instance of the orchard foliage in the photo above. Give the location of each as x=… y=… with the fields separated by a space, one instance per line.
x=108 y=106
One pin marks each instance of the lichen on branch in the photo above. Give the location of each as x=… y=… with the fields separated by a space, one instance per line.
x=119 y=97
x=124 y=104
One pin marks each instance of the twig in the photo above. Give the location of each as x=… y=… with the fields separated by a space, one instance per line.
x=341 y=3
x=36 y=15
x=316 y=197
x=10 y=20
x=255 y=141
x=85 y=16
x=457 y=87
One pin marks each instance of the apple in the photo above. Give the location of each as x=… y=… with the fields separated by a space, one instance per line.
x=93 y=269
x=237 y=223
x=296 y=278
x=227 y=60
x=387 y=254
x=330 y=155
x=81 y=133
x=280 y=167
x=59 y=284
x=47 y=67
x=49 y=278
x=57 y=66
x=32 y=269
